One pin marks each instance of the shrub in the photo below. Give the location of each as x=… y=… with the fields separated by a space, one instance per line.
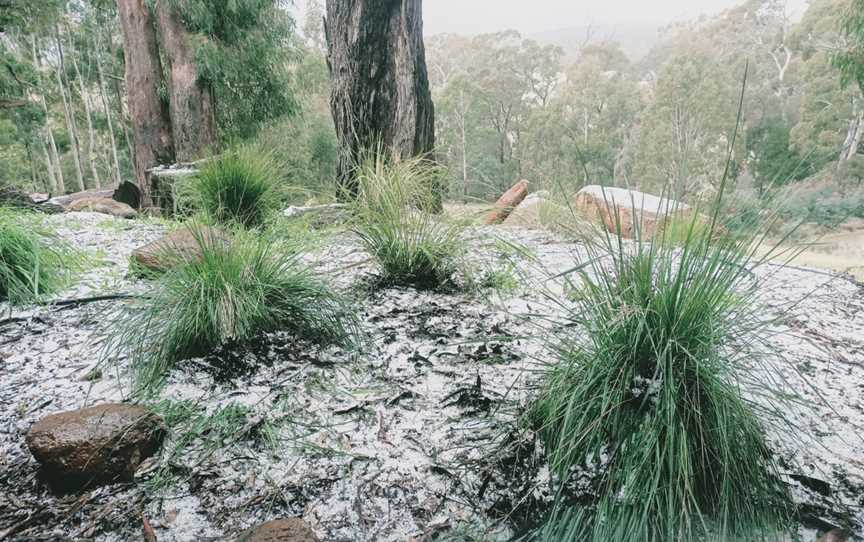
x=645 y=408
x=825 y=203
x=240 y=187
x=33 y=263
x=397 y=225
x=232 y=293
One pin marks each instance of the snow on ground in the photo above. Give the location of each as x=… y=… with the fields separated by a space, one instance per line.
x=387 y=445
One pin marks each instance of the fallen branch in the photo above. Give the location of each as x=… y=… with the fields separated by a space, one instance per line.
x=73 y=303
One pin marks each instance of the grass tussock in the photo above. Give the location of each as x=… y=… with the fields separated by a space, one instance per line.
x=646 y=406
x=195 y=436
x=33 y=263
x=231 y=294
x=398 y=223
x=240 y=187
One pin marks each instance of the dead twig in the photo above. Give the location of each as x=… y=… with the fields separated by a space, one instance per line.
x=74 y=303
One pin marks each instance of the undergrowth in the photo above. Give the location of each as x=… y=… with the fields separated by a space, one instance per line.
x=646 y=406
x=33 y=262
x=194 y=436
x=231 y=293
x=240 y=187
x=641 y=412
x=397 y=224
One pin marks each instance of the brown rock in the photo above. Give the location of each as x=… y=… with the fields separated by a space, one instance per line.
x=506 y=203
x=106 y=206
x=95 y=445
x=835 y=535
x=280 y=530
x=635 y=211
x=178 y=247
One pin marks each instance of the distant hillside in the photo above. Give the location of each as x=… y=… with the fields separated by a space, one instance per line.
x=635 y=39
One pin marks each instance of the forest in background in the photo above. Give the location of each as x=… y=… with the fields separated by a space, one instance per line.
x=507 y=107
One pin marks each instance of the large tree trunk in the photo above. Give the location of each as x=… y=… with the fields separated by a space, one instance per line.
x=151 y=123
x=193 y=120
x=380 y=87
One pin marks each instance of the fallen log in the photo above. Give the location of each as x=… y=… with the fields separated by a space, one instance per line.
x=22 y=200
x=68 y=199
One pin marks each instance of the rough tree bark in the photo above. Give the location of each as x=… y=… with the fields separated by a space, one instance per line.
x=151 y=123
x=193 y=120
x=380 y=86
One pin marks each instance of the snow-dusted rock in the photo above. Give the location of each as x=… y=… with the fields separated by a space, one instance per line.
x=636 y=211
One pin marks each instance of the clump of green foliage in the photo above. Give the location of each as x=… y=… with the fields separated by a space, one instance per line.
x=238 y=188
x=233 y=293
x=397 y=223
x=33 y=263
x=647 y=403
x=244 y=52
x=850 y=58
x=194 y=435
x=827 y=202
x=680 y=227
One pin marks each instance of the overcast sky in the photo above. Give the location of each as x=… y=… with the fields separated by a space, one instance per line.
x=532 y=16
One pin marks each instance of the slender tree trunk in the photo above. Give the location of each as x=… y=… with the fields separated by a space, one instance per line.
x=52 y=179
x=34 y=176
x=55 y=171
x=55 y=159
x=151 y=124
x=115 y=161
x=464 y=147
x=193 y=119
x=91 y=133
x=380 y=87
x=70 y=114
x=123 y=111
x=854 y=135
x=126 y=121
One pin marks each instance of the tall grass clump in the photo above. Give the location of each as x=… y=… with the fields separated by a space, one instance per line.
x=33 y=263
x=237 y=188
x=647 y=405
x=233 y=293
x=398 y=223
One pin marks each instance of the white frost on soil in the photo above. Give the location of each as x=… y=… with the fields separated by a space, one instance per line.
x=383 y=446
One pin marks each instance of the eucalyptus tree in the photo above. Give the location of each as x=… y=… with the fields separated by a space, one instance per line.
x=850 y=61
x=226 y=72
x=684 y=133
x=594 y=114
x=831 y=114
x=191 y=103
x=151 y=121
x=380 y=86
